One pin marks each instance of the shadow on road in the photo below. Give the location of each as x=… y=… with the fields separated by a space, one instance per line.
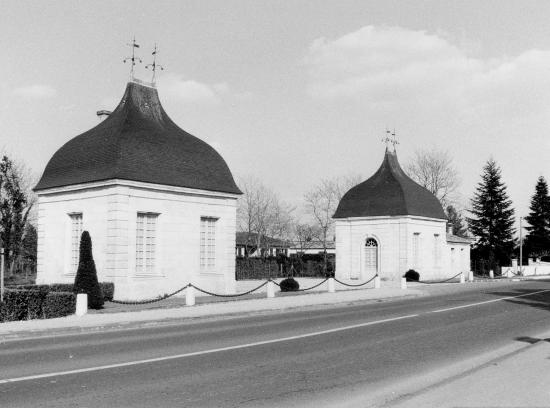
x=536 y=300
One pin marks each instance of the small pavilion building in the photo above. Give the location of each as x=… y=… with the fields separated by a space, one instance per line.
x=159 y=203
x=389 y=224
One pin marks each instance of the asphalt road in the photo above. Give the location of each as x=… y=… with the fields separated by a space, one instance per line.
x=327 y=356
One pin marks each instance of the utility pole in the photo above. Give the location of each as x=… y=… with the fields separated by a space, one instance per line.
x=520 y=246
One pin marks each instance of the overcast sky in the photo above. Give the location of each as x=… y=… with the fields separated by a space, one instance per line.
x=294 y=91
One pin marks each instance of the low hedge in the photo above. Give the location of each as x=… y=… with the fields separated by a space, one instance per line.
x=59 y=304
x=108 y=288
x=36 y=303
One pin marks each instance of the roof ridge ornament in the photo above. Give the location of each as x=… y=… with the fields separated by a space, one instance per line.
x=133 y=58
x=390 y=139
x=153 y=67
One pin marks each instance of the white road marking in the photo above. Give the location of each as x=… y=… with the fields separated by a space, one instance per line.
x=488 y=301
x=199 y=353
x=241 y=346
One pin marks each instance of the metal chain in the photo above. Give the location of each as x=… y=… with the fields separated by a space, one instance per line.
x=230 y=296
x=144 y=302
x=351 y=285
x=443 y=281
x=313 y=287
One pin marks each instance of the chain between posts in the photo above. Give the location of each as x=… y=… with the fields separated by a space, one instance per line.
x=312 y=287
x=144 y=302
x=230 y=296
x=443 y=281
x=351 y=285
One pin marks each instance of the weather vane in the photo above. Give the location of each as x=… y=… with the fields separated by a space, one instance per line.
x=390 y=139
x=133 y=58
x=153 y=67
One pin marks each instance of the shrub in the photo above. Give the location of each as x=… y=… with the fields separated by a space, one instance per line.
x=59 y=304
x=61 y=287
x=86 y=275
x=22 y=304
x=289 y=285
x=35 y=302
x=412 y=276
x=108 y=289
x=15 y=305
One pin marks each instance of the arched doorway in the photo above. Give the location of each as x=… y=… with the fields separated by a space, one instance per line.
x=371 y=257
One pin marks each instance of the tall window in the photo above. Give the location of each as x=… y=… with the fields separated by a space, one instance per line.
x=76 y=232
x=208 y=242
x=437 y=250
x=416 y=239
x=146 y=233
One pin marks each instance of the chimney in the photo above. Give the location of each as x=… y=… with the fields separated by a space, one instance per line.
x=449 y=228
x=102 y=114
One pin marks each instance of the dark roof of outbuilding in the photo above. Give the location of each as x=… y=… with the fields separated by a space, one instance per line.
x=458 y=240
x=389 y=192
x=139 y=142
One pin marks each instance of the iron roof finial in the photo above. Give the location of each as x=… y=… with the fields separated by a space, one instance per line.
x=154 y=66
x=390 y=139
x=133 y=58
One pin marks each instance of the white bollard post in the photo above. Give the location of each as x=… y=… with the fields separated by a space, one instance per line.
x=270 y=289
x=462 y=280
x=1 y=274
x=81 y=304
x=377 y=282
x=190 y=296
x=403 y=283
x=331 y=288
x=491 y=274
x=470 y=276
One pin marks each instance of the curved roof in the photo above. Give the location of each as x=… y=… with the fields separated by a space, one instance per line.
x=139 y=142
x=389 y=192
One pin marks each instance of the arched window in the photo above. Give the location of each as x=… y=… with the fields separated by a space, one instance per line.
x=371 y=242
x=371 y=256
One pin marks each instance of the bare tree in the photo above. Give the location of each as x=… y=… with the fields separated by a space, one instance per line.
x=434 y=170
x=16 y=203
x=321 y=203
x=261 y=214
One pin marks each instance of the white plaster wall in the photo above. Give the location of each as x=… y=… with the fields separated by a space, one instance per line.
x=395 y=245
x=110 y=215
x=458 y=258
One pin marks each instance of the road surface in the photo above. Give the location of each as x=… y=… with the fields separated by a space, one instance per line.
x=362 y=354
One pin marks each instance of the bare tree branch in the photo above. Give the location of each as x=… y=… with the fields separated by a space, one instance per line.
x=434 y=170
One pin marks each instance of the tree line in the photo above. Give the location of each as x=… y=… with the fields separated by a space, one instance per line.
x=489 y=219
x=17 y=234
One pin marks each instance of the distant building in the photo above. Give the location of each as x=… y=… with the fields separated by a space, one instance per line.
x=313 y=247
x=246 y=245
x=389 y=224
x=159 y=203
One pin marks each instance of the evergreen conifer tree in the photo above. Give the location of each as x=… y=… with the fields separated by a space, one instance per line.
x=86 y=275
x=492 y=218
x=537 y=241
x=455 y=219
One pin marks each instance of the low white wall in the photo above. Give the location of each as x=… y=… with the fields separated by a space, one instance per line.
x=536 y=268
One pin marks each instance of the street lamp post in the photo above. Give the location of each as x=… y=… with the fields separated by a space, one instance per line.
x=520 y=246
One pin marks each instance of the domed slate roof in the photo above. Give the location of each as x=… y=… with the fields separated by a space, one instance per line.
x=139 y=142
x=389 y=192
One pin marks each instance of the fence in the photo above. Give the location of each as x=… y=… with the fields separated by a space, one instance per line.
x=481 y=267
x=258 y=268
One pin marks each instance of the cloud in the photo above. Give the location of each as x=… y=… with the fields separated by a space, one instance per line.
x=393 y=67
x=35 y=92
x=179 y=89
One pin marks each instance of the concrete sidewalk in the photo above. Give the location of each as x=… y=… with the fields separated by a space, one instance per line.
x=520 y=379
x=211 y=307
x=92 y=321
